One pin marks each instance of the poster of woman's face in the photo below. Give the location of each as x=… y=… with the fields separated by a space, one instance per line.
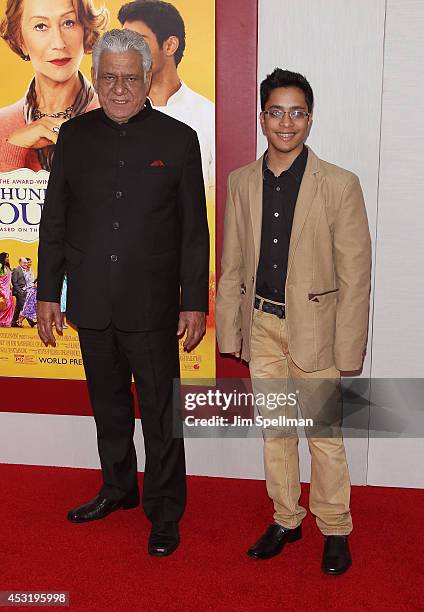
x=52 y=37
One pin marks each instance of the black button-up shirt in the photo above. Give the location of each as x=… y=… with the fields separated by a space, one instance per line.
x=279 y=201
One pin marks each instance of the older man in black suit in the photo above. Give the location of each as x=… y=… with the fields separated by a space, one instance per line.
x=126 y=192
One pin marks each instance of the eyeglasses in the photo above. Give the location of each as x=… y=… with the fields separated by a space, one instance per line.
x=295 y=115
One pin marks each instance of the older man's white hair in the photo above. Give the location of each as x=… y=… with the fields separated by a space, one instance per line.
x=122 y=41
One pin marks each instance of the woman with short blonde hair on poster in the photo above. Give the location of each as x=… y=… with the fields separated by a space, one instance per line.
x=54 y=35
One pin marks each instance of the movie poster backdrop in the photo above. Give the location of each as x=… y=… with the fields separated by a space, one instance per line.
x=26 y=154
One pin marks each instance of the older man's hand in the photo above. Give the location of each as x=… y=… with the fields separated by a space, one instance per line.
x=48 y=314
x=194 y=323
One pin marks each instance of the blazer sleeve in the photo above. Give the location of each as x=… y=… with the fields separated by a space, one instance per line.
x=194 y=261
x=51 y=256
x=352 y=256
x=228 y=300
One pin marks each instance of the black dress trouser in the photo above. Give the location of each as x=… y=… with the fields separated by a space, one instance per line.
x=110 y=358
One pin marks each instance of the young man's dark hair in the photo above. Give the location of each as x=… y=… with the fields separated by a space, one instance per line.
x=286 y=78
x=161 y=17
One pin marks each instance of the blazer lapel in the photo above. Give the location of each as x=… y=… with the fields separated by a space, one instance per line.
x=305 y=198
x=255 y=204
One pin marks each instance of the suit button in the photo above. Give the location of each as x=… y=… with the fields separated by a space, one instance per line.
x=121 y=163
x=116 y=225
x=123 y=133
x=278 y=188
x=114 y=258
x=118 y=195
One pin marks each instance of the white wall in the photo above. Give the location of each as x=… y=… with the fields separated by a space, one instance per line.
x=70 y=441
x=398 y=336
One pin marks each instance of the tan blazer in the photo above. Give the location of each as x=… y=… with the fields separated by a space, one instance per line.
x=329 y=267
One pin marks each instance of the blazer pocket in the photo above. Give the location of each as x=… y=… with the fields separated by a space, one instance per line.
x=159 y=170
x=313 y=297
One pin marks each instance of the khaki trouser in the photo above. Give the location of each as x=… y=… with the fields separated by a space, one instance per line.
x=318 y=394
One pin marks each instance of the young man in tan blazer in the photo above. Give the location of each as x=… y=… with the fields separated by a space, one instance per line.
x=293 y=301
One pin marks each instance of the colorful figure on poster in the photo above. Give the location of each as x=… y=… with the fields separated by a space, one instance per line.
x=53 y=35
x=29 y=274
x=19 y=288
x=29 y=311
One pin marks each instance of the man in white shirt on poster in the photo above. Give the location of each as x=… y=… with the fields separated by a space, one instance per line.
x=162 y=27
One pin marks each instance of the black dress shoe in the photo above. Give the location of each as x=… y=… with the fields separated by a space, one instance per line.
x=164 y=539
x=336 y=558
x=100 y=506
x=273 y=540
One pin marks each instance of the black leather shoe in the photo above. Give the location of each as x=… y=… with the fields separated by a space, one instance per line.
x=273 y=540
x=336 y=558
x=164 y=539
x=100 y=506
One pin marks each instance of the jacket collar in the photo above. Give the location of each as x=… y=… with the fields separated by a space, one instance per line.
x=145 y=112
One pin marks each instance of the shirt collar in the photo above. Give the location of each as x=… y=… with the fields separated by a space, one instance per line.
x=296 y=169
x=176 y=97
x=140 y=116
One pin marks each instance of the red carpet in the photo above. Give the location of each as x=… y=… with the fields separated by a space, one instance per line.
x=105 y=566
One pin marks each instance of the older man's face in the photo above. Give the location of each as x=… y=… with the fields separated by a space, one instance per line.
x=120 y=85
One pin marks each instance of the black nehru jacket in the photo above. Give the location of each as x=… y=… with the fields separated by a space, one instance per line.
x=279 y=202
x=125 y=218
